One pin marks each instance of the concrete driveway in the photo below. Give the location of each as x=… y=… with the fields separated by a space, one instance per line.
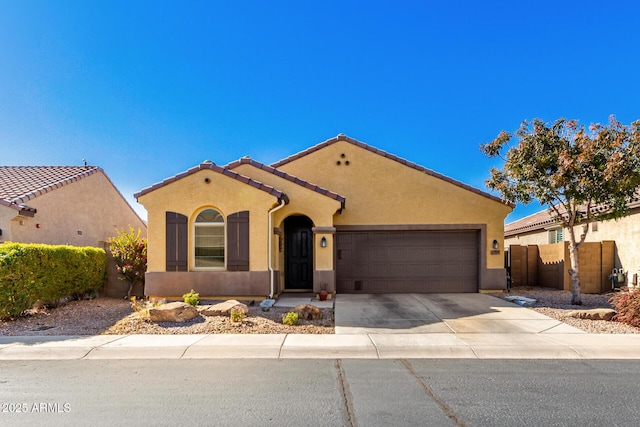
x=438 y=313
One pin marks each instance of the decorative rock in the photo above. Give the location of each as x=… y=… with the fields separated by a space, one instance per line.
x=224 y=308
x=267 y=304
x=593 y=314
x=308 y=312
x=173 y=312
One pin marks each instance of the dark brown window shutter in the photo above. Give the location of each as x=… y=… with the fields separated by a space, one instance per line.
x=238 y=241
x=177 y=242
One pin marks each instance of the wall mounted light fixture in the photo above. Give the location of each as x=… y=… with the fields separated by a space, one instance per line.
x=494 y=245
x=323 y=242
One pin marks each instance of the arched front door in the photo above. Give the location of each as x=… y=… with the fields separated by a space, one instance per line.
x=298 y=253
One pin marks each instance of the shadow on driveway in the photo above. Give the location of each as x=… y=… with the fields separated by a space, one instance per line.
x=437 y=313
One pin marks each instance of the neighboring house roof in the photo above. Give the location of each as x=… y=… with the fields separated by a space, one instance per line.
x=533 y=222
x=342 y=137
x=208 y=165
x=545 y=219
x=19 y=184
x=284 y=175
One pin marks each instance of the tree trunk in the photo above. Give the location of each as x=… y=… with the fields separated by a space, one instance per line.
x=574 y=272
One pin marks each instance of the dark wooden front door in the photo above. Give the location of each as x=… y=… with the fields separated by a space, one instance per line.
x=298 y=253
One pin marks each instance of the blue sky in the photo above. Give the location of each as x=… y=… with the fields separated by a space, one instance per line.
x=146 y=90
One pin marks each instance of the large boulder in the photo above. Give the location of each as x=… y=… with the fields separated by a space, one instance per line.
x=173 y=312
x=224 y=308
x=308 y=312
x=593 y=314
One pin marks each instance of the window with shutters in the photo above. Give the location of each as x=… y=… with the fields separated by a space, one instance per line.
x=209 y=240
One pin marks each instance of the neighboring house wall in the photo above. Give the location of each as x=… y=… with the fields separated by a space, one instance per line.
x=82 y=210
x=84 y=213
x=625 y=232
x=6 y=215
x=531 y=238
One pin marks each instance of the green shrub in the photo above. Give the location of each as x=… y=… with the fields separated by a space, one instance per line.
x=142 y=306
x=627 y=305
x=290 y=318
x=46 y=273
x=192 y=298
x=237 y=315
x=129 y=251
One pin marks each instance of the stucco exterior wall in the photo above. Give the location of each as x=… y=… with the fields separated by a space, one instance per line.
x=537 y=238
x=192 y=194
x=319 y=208
x=625 y=232
x=84 y=213
x=379 y=191
x=6 y=215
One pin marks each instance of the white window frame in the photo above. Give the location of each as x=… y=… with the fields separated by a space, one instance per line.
x=553 y=235
x=217 y=224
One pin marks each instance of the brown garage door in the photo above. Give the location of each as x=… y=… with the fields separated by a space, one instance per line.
x=407 y=261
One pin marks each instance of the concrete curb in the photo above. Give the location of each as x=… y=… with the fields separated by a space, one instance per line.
x=292 y=346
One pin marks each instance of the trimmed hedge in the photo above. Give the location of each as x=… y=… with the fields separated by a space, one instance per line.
x=46 y=273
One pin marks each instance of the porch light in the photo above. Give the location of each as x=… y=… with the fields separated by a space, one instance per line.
x=323 y=242
x=494 y=244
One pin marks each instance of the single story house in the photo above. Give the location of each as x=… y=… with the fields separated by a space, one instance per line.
x=64 y=205
x=59 y=205
x=341 y=216
x=540 y=229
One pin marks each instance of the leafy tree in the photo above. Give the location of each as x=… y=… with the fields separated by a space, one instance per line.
x=129 y=250
x=581 y=175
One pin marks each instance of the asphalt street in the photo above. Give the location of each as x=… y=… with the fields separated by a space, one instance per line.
x=320 y=392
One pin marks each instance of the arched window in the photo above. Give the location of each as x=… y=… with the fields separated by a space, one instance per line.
x=209 y=239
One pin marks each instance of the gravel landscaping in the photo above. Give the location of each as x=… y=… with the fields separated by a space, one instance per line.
x=116 y=317
x=111 y=316
x=556 y=304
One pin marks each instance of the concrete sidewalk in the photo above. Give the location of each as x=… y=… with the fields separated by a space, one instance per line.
x=339 y=346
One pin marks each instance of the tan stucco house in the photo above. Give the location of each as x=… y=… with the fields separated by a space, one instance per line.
x=341 y=215
x=540 y=229
x=74 y=205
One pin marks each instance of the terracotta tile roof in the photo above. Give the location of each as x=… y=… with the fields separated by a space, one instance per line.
x=208 y=165
x=291 y=178
x=19 y=184
x=536 y=221
x=342 y=137
x=543 y=219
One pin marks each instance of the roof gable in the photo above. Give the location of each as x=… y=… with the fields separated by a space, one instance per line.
x=288 y=177
x=208 y=165
x=342 y=137
x=19 y=184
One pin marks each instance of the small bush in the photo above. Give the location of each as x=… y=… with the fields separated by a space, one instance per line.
x=192 y=298
x=237 y=315
x=627 y=304
x=290 y=318
x=129 y=251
